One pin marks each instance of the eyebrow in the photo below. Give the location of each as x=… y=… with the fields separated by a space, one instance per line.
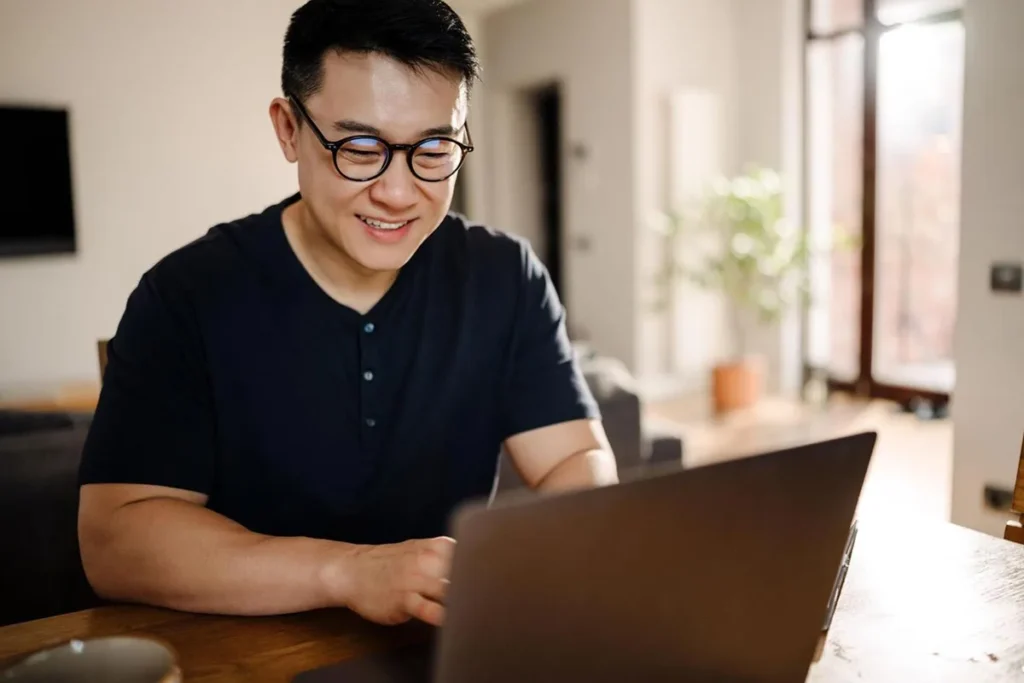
x=350 y=126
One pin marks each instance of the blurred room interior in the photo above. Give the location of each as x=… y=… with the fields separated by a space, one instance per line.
x=889 y=130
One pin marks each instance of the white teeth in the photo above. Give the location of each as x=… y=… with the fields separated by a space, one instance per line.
x=380 y=225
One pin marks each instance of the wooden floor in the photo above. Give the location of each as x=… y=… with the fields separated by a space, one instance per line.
x=911 y=473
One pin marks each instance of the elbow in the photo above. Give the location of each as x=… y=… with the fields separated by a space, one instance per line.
x=602 y=466
x=97 y=549
x=114 y=572
x=122 y=558
x=592 y=468
x=113 y=563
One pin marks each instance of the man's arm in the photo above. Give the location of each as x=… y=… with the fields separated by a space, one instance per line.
x=565 y=456
x=551 y=422
x=161 y=546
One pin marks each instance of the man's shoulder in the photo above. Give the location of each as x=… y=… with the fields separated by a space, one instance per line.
x=226 y=251
x=489 y=250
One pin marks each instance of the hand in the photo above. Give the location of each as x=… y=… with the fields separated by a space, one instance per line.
x=391 y=584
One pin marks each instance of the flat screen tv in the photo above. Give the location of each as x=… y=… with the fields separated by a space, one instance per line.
x=36 y=205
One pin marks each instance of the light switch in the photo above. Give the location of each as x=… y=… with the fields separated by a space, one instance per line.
x=1007 y=278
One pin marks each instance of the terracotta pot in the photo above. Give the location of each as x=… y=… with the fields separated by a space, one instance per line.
x=737 y=384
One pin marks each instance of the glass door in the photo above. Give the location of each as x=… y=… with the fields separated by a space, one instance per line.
x=920 y=91
x=884 y=86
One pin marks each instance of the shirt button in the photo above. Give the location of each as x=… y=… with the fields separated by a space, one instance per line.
x=368 y=376
x=370 y=422
x=368 y=328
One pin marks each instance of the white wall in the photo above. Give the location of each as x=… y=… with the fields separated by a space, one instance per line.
x=170 y=134
x=741 y=61
x=473 y=175
x=988 y=407
x=769 y=41
x=682 y=47
x=587 y=46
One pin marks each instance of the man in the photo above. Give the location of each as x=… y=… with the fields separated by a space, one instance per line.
x=296 y=402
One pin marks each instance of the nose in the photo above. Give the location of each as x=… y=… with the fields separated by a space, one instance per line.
x=396 y=188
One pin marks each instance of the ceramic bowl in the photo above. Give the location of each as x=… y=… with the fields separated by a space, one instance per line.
x=120 y=659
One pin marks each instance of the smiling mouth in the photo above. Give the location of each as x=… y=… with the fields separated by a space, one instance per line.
x=383 y=225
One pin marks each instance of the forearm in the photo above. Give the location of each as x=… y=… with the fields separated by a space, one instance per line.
x=175 y=554
x=587 y=469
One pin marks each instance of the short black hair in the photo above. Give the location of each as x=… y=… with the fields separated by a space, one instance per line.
x=417 y=33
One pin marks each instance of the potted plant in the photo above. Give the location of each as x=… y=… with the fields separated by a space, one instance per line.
x=737 y=241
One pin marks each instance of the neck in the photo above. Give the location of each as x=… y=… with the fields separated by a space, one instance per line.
x=342 y=278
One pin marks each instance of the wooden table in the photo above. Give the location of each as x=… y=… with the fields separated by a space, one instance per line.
x=928 y=604
x=946 y=604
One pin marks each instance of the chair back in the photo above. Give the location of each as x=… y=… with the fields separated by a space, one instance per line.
x=1015 y=527
x=101 y=351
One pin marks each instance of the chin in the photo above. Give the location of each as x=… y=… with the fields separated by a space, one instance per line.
x=381 y=261
x=383 y=252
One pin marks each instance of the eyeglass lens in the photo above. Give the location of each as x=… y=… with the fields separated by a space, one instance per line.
x=432 y=159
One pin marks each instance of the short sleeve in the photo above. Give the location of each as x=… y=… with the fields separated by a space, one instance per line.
x=154 y=423
x=545 y=385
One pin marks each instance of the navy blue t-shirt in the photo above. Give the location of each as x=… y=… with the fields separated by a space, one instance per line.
x=234 y=375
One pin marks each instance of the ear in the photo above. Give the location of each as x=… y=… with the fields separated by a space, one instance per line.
x=285 y=127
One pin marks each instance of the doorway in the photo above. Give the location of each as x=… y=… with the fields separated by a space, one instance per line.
x=547 y=107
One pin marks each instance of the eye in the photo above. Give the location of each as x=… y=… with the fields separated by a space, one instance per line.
x=435 y=149
x=368 y=150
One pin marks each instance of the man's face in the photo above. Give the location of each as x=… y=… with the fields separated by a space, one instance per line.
x=361 y=94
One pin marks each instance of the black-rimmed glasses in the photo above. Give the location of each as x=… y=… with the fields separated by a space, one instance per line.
x=362 y=158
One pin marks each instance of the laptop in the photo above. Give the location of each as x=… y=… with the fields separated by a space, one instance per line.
x=718 y=573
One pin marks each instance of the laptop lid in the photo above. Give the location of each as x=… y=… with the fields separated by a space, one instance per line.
x=716 y=573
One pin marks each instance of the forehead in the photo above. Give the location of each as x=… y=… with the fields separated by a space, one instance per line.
x=379 y=91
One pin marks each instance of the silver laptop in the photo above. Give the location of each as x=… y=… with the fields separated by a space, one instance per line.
x=718 y=573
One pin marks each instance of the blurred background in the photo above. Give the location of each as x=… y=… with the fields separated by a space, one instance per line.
x=777 y=220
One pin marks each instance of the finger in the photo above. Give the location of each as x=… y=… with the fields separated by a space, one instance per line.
x=433 y=589
x=436 y=557
x=425 y=610
x=443 y=543
x=432 y=565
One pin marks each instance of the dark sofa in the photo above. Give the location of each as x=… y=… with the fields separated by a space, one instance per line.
x=41 y=572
